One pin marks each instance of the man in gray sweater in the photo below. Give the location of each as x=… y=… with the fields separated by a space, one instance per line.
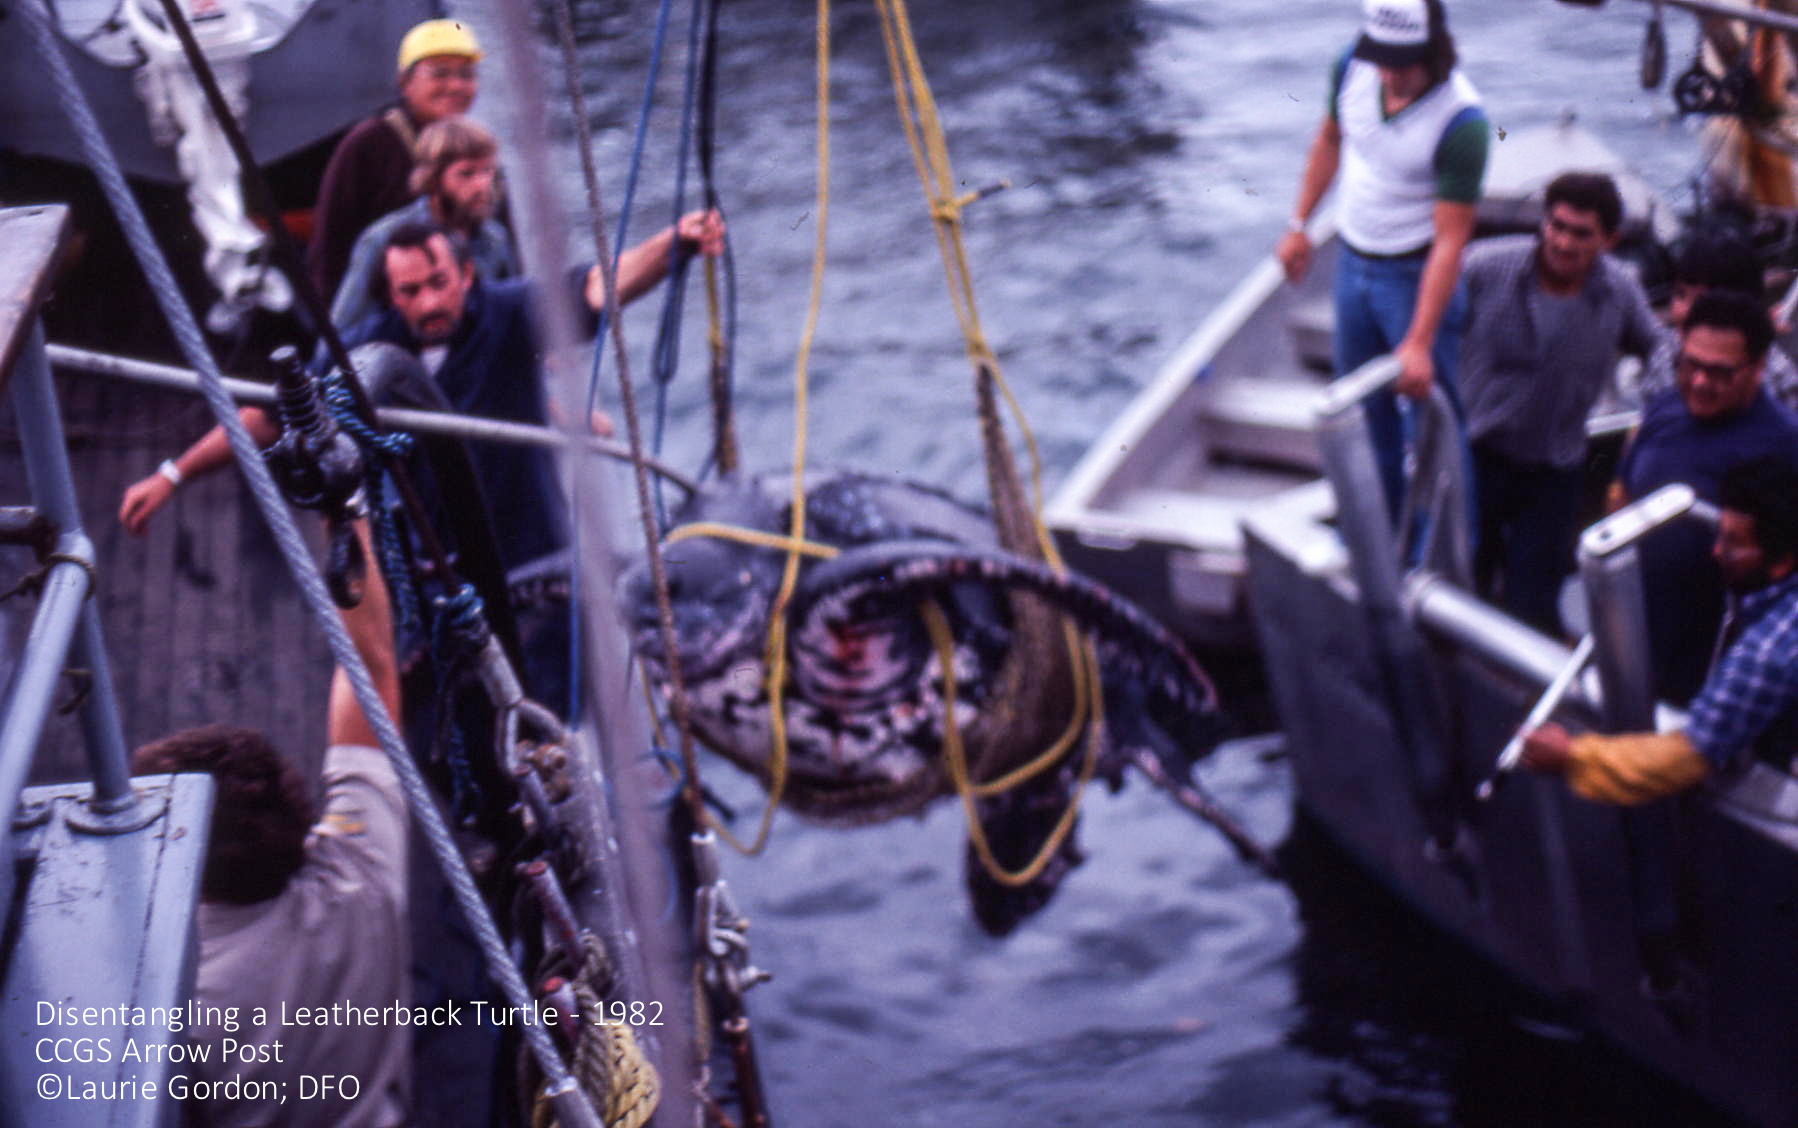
x=1548 y=316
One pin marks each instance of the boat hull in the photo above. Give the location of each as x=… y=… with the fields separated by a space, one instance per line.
x=1225 y=430
x=1582 y=903
x=332 y=66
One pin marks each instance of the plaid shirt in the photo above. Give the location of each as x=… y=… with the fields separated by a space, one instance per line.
x=1754 y=687
x=1528 y=393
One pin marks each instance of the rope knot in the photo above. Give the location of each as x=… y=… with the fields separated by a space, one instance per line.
x=462 y=612
x=342 y=404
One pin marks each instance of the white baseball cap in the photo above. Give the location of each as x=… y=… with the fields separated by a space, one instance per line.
x=1394 y=33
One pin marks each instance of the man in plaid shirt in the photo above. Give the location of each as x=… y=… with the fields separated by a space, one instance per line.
x=1750 y=699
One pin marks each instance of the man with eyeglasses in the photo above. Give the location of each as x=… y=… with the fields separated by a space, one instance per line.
x=1548 y=316
x=1719 y=416
x=370 y=171
x=1711 y=261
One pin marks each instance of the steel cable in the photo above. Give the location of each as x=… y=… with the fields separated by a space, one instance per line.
x=299 y=559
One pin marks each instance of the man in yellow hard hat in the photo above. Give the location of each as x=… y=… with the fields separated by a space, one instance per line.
x=368 y=174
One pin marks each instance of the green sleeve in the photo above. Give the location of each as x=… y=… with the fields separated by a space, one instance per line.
x=1337 y=69
x=1461 y=159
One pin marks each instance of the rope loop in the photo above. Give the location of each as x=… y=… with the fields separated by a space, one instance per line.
x=341 y=402
x=461 y=616
x=31 y=583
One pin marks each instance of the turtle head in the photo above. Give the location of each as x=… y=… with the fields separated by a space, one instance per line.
x=719 y=589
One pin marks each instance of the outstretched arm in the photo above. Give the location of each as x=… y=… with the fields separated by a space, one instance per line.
x=370 y=624
x=148 y=494
x=646 y=264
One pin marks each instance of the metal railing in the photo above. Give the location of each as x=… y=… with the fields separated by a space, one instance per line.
x=66 y=625
x=1377 y=558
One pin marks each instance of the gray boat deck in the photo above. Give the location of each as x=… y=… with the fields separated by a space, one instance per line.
x=201 y=619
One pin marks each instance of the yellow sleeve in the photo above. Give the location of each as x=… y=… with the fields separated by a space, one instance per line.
x=1633 y=768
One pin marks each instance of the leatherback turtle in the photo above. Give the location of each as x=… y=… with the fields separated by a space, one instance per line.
x=866 y=694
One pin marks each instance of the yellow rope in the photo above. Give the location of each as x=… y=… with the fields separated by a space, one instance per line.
x=608 y=1061
x=956 y=762
x=924 y=135
x=724 y=432
x=776 y=654
x=1052 y=755
x=760 y=539
x=930 y=153
x=757 y=537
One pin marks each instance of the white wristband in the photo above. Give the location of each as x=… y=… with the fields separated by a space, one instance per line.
x=1295 y=224
x=169 y=470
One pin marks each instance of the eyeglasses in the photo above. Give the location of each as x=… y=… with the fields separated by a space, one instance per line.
x=1690 y=366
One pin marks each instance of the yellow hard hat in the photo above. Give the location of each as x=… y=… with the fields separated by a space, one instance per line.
x=437 y=37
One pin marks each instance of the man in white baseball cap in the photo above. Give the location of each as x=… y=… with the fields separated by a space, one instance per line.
x=1395 y=33
x=1405 y=129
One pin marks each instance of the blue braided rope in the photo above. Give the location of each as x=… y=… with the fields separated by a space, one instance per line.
x=381 y=447
x=458 y=631
x=287 y=537
x=395 y=558
x=341 y=402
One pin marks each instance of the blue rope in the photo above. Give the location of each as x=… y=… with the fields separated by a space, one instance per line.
x=381 y=447
x=458 y=631
x=341 y=402
x=395 y=560
x=287 y=536
x=639 y=145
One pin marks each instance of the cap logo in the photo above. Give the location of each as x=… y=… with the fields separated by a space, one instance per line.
x=1396 y=22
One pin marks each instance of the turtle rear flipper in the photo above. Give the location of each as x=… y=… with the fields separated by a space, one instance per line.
x=1016 y=825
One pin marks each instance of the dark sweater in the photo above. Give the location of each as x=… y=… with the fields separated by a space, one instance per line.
x=365 y=179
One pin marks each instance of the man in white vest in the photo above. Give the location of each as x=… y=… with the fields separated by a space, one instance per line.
x=1406 y=133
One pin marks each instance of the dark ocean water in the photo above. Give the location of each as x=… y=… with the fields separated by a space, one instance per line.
x=1154 y=150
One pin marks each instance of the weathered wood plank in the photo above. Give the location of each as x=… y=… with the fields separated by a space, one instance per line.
x=201 y=618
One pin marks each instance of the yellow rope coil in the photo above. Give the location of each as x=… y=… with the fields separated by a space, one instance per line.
x=607 y=1058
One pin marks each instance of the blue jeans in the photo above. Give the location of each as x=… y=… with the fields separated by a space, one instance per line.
x=1375 y=298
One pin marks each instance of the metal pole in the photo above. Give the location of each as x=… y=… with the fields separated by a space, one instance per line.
x=53 y=488
x=1777 y=21
x=395 y=418
x=1611 y=570
x=1366 y=531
